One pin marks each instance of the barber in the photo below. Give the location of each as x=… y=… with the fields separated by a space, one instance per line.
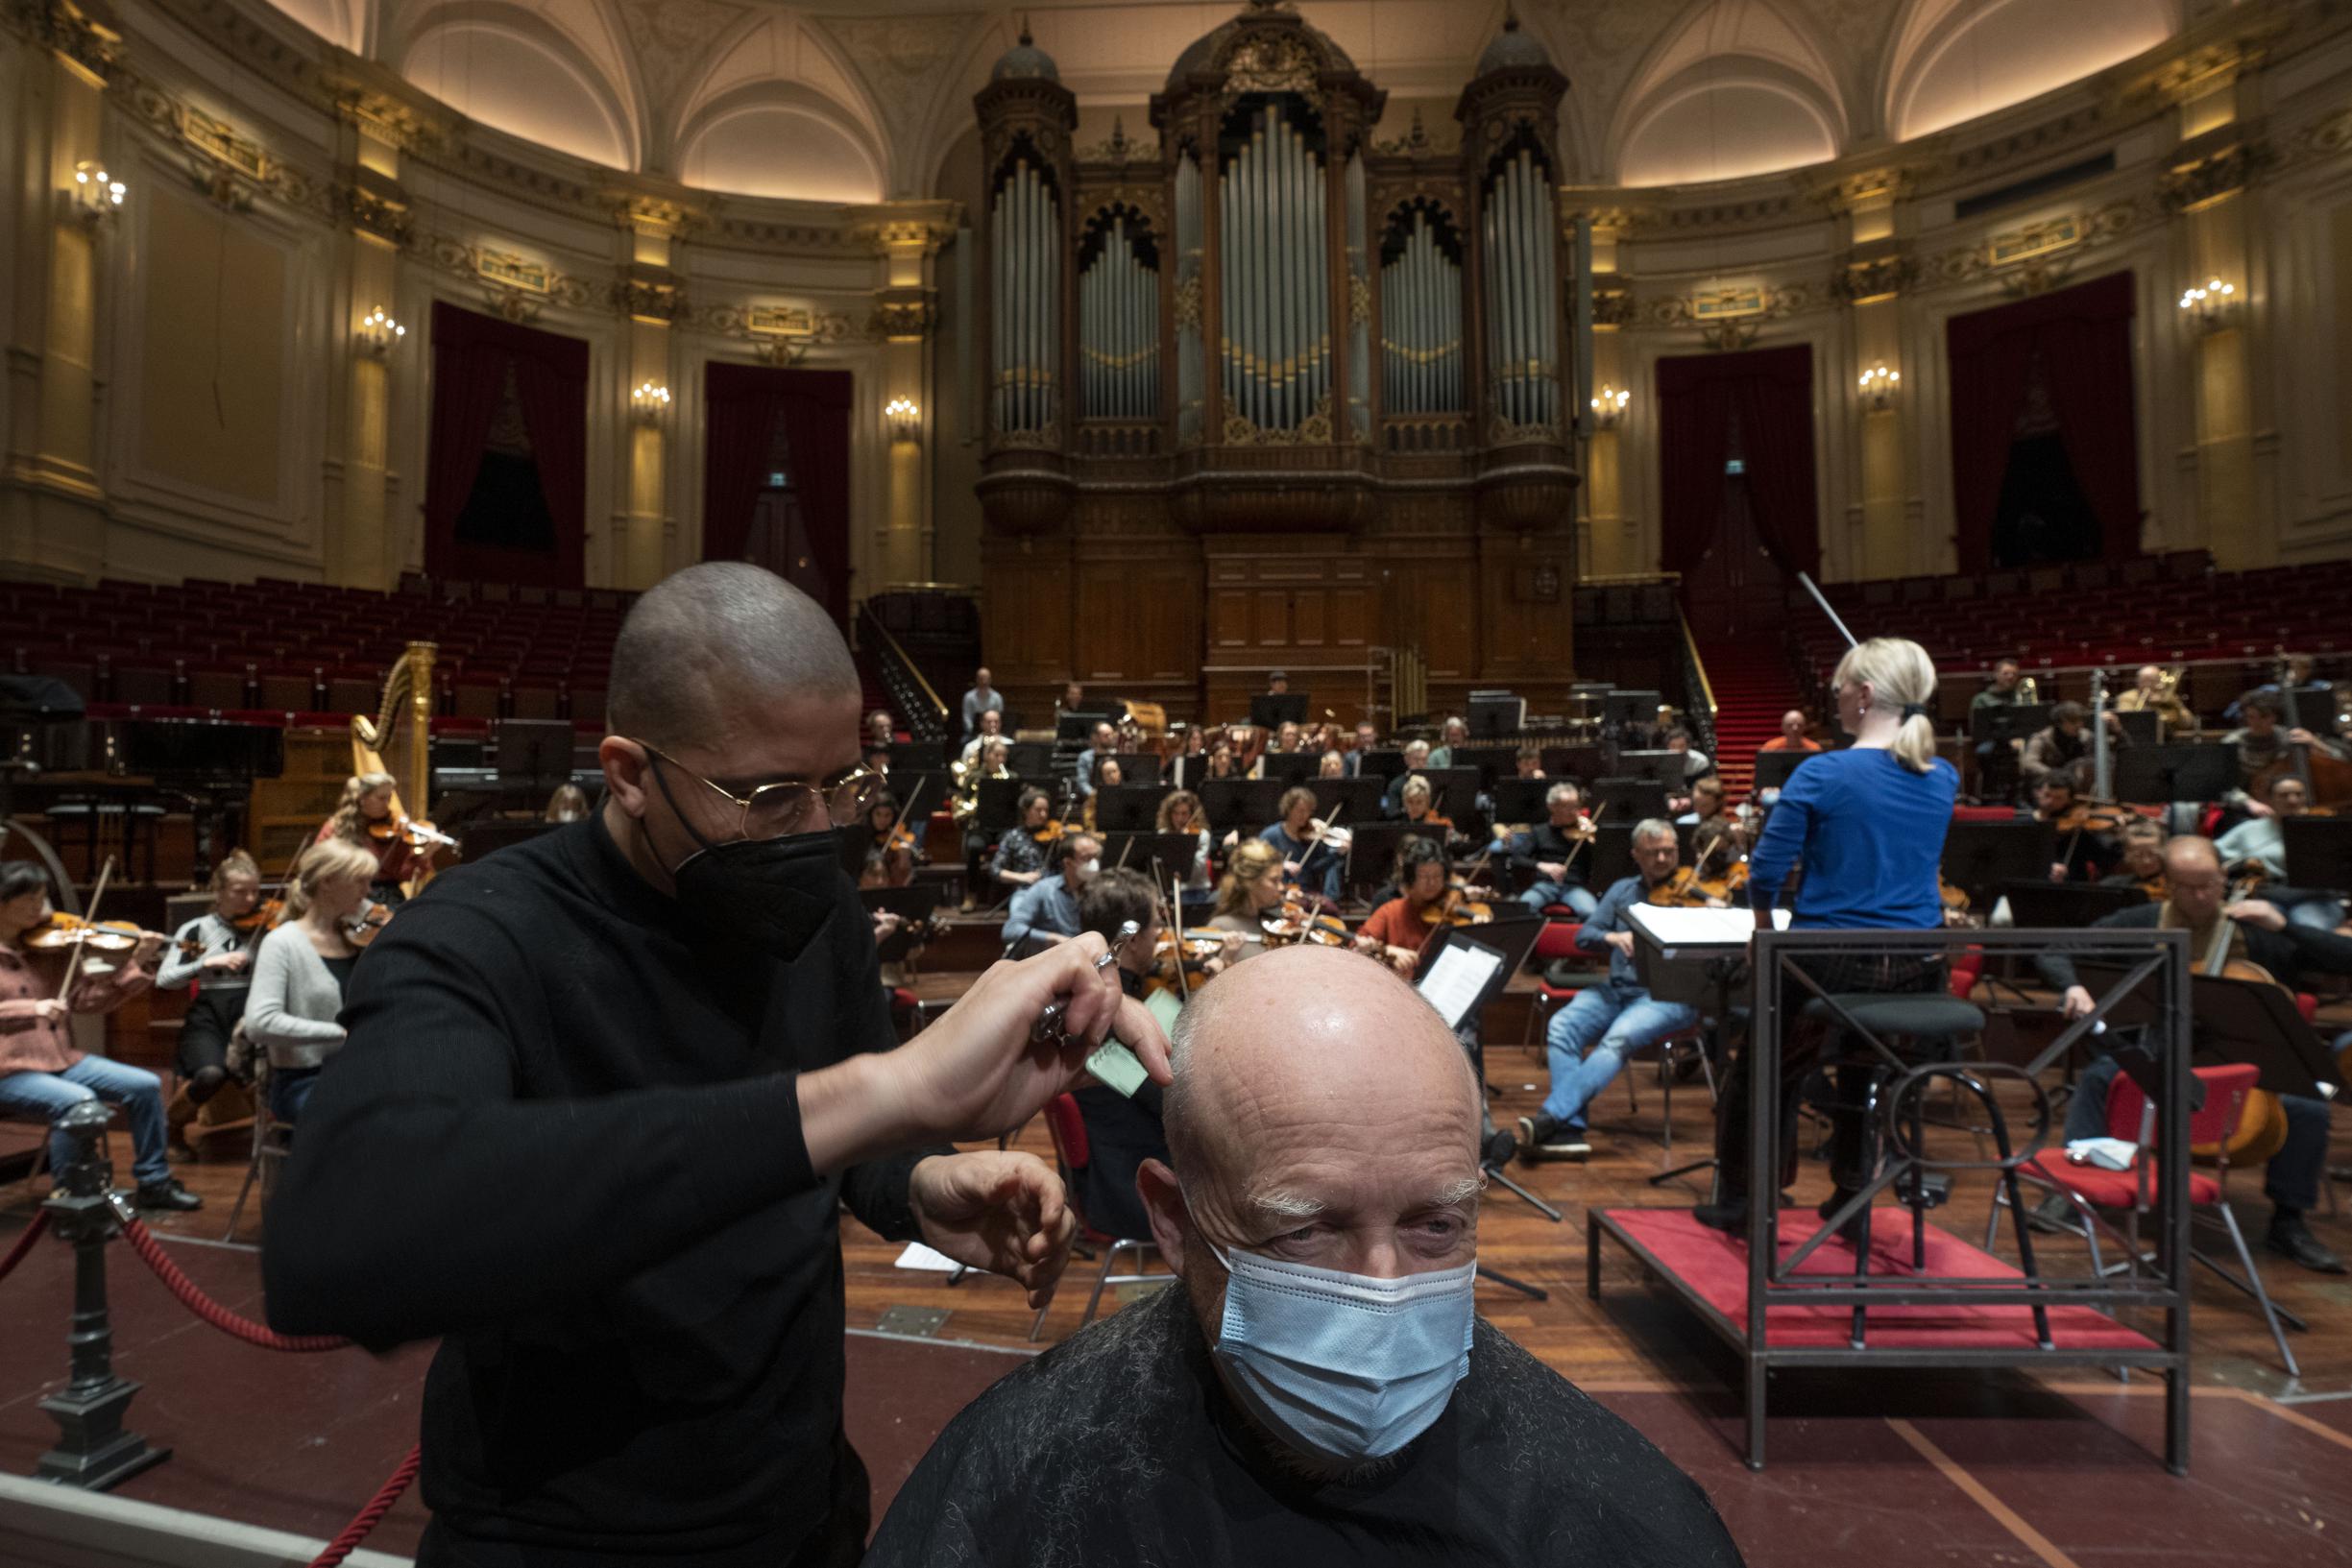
x=604 y=1094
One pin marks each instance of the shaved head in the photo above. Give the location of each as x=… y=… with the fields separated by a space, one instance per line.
x=713 y=640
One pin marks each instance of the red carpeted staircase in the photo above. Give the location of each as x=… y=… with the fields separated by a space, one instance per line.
x=1753 y=688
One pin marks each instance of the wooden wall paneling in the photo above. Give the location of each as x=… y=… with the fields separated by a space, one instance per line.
x=1025 y=618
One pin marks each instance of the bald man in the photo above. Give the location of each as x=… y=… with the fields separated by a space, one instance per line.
x=1317 y=1388
x=604 y=1094
x=1792 y=736
x=2196 y=899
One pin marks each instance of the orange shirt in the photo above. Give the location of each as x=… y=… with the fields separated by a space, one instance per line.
x=1780 y=742
x=1397 y=924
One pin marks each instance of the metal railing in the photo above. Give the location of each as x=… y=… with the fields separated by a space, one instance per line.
x=1699 y=705
x=926 y=715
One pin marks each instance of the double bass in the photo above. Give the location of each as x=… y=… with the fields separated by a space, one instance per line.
x=2327 y=781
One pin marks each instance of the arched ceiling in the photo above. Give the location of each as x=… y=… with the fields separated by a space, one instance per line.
x=860 y=100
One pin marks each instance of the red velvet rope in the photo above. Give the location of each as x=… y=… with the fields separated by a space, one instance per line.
x=24 y=1243
x=143 y=1243
x=367 y=1518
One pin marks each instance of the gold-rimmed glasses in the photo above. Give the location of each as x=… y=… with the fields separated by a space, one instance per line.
x=793 y=806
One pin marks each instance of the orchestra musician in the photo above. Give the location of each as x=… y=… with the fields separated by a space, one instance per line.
x=1331 y=766
x=1792 y=736
x=1695 y=764
x=1310 y=859
x=215 y=954
x=42 y=1075
x=889 y=852
x=1554 y=851
x=1415 y=805
x=659 y=1039
x=2063 y=742
x=365 y=817
x=2086 y=828
x=1528 y=764
x=1105 y=742
x=2257 y=847
x=1179 y=812
x=567 y=804
x=1456 y=733
x=1705 y=803
x=1286 y=735
x=1221 y=760
x=2155 y=692
x=983 y=698
x=1122 y=1132
x=1416 y=760
x=1368 y=741
x=2141 y=866
x=1045 y=912
x=2311 y=694
x=1108 y=775
x=2198 y=901
x=1868 y=823
x=880 y=729
x=1398 y=931
x=1020 y=851
x=2263 y=740
x=1252 y=889
x=990 y=727
x=1996 y=758
x=1588 y=1040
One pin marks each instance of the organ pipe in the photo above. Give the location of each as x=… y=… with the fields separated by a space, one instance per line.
x=1117 y=329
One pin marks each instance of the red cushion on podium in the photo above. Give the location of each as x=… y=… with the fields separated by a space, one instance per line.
x=2104 y=1189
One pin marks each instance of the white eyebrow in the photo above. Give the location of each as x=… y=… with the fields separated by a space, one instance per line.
x=1460 y=1192
x=1289 y=1205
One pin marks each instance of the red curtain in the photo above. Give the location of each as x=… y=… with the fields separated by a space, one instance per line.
x=1770 y=393
x=2082 y=337
x=744 y=406
x=471 y=354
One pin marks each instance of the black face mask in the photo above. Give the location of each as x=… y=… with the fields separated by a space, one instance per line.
x=774 y=894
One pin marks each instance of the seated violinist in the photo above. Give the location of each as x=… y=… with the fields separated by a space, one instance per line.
x=1397 y=932
x=889 y=852
x=1311 y=857
x=41 y=1074
x=1416 y=760
x=1251 y=891
x=1792 y=736
x=1705 y=803
x=366 y=818
x=1415 y=808
x=2142 y=866
x=1554 y=851
x=1122 y=1133
x=2065 y=742
x=1588 y=1040
x=1020 y=854
x=214 y=953
x=2087 y=845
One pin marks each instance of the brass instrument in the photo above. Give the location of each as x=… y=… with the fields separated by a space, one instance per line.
x=2027 y=690
x=968 y=776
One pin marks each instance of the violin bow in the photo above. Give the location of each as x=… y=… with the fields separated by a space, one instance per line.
x=1596 y=820
x=90 y=923
x=1175 y=924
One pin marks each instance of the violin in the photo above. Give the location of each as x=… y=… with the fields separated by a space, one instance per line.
x=1682 y=890
x=414 y=831
x=2093 y=817
x=1955 y=903
x=1297 y=920
x=1456 y=907
x=62 y=930
x=363 y=928
x=265 y=916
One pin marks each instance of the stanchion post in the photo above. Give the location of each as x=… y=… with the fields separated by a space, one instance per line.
x=94 y=1451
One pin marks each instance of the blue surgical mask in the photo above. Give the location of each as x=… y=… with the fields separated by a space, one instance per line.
x=1348 y=1366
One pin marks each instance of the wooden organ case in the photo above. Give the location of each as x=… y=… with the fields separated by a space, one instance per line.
x=1267 y=397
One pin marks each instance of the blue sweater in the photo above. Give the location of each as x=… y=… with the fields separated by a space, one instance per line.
x=1870 y=832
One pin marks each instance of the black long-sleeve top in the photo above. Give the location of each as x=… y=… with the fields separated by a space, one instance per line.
x=565 y=1136
x=1545 y=843
x=2293 y=955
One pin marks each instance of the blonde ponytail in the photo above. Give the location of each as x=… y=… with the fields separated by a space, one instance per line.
x=1898 y=671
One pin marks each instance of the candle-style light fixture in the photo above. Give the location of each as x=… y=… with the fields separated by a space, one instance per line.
x=378 y=333
x=1880 y=384
x=649 y=401
x=95 y=195
x=906 y=418
x=2210 y=301
x=1609 y=406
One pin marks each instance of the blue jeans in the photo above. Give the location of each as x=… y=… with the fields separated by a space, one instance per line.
x=1575 y=896
x=290 y=1090
x=138 y=1092
x=1589 y=1039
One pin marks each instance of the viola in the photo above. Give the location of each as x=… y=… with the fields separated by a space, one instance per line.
x=363 y=928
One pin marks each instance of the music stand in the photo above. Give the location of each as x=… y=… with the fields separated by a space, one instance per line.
x=998 y=804
x=1492 y=762
x=533 y=754
x=1372 y=856
x=1173 y=854
x=2236 y=1020
x=1130 y=808
x=1522 y=800
x=1135 y=767
x=1772 y=767
x=2007 y=721
x=920 y=756
x=1030 y=759
x=1629 y=800
x=1360 y=799
x=1490 y=716
x=1577 y=761
x=2038 y=903
x=1076 y=726
x=1982 y=856
x=1631 y=708
x=1670 y=768
x=1245 y=804
x=2141 y=728
x=1609 y=858
x=1288 y=767
x=1272 y=709
x=2175 y=773
x=2318 y=851
x=1382 y=762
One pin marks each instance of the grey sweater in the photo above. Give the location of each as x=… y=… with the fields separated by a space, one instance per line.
x=291 y=1012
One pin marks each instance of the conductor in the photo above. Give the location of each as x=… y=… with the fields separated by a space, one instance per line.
x=604 y=1093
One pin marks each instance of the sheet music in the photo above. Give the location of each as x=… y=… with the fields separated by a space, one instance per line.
x=1455 y=982
x=1671 y=928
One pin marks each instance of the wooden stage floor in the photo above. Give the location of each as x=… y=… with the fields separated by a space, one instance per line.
x=1867 y=1468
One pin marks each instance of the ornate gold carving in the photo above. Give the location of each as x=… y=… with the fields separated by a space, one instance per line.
x=649 y=293
x=1503 y=432
x=1188 y=304
x=73 y=35
x=1120 y=148
x=1270 y=62
x=904 y=313
x=2188 y=186
x=1872 y=278
x=374 y=208
x=1315 y=430
x=1359 y=298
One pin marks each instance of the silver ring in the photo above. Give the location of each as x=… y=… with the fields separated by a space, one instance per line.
x=1048 y=1028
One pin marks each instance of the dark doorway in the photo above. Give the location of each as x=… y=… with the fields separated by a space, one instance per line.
x=1735 y=588
x=779 y=535
x=2043 y=514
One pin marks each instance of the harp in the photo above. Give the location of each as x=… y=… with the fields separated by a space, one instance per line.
x=397 y=739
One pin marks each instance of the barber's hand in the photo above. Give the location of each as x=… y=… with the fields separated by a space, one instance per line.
x=976 y=1074
x=2258 y=912
x=999 y=1211
x=2077 y=1002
